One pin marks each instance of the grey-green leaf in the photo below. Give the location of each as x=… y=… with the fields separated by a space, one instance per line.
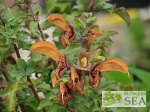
x=9 y=14
x=21 y=62
x=54 y=107
x=50 y=96
x=43 y=104
x=10 y=97
x=29 y=71
x=71 y=49
x=82 y=108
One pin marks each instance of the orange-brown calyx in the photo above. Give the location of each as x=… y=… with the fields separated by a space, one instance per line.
x=76 y=83
x=64 y=94
x=95 y=76
x=61 y=68
x=67 y=37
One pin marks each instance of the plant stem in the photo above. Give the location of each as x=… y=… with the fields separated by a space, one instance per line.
x=35 y=18
x=5 y=72
x=91 y=6
x=29 y=80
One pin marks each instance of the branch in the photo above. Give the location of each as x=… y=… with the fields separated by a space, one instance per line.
x=4 y=71
x=29 y=80
x=35 y=18
x=91 y=6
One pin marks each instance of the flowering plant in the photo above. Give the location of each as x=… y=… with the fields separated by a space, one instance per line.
x=65 y=72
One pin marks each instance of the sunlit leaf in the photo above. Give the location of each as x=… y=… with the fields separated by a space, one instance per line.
x=123 y=14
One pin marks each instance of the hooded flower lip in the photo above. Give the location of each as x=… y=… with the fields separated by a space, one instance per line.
x=84 y=59
x=61 y=68
x=59 y=21
x=112 y=64
x=76 y=83
x=64 y=94
x=67 y=37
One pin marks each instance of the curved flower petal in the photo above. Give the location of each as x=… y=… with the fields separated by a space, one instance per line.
x=59 y=21
x=114 y=64
x=48 y=49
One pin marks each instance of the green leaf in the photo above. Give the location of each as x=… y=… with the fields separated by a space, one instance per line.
x=9 y=15
x=50 y=96
x=32 y=106
x=43 y=104
x=21 y=62
x=15 y=73
x=33 y=27
x=82 y=108
x=71 y=49
x=1 y=7
x=19 y=15
x=21 y=70
x=78 y=23
x=118 y=77
x=123 y=14
x=29 y=71
x=36 y=56
x=44 y=86
x=54 y=107
x=10 y=96
x=142 y=75
x=36 y=9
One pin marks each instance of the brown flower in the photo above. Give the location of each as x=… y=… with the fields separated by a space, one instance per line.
x=67 y=37
x=95 y=76
x=112 y=64
x=61 y=68
x=60 y=21
x=50 y=50
x=64 y=94
x=76 y=83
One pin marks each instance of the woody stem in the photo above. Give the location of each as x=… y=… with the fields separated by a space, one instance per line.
x=29 y=80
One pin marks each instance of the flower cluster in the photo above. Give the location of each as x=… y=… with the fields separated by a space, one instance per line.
x=84 y=61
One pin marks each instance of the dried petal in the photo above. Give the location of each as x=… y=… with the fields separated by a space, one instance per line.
x=95 y=76
x=47 y=48
x=76 y=83
x=67 y=37
x=94 y=34
x=61 y=68
x=59 y=21
x=64 y=95
x=114 y=64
